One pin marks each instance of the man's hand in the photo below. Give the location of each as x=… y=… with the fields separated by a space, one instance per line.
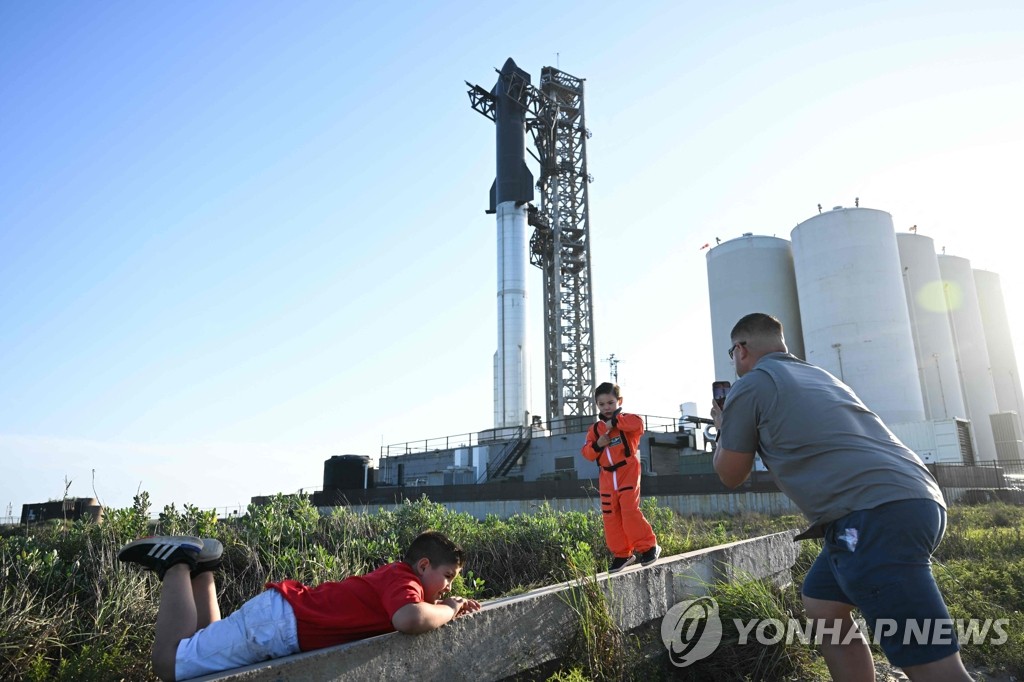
x=716 y=415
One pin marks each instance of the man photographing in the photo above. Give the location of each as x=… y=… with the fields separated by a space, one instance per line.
x=878 y=509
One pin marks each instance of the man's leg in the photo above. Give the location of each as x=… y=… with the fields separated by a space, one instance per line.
x=948 y=669
x=829 y=611
x=850 y=662
x=176 y=619
x=882 y=560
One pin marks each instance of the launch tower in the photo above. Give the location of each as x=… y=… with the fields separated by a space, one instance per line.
x=560 y=245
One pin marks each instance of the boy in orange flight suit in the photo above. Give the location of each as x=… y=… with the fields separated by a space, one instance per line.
x=614 y=443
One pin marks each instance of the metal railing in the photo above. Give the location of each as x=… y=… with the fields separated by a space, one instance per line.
x=1012 y=467
x=462 y=440
x=488 y=436
x=661 y=424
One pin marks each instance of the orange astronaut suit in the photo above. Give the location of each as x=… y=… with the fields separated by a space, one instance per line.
x=626 y=530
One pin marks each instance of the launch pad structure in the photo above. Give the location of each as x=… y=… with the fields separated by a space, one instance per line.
x=560 y=244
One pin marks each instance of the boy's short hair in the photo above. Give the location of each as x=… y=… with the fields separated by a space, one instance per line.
x=436 y=547
x=607 y=388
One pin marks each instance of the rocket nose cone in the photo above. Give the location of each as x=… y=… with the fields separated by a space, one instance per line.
x=509 y=66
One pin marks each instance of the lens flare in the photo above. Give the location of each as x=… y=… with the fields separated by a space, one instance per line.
x=940 y=296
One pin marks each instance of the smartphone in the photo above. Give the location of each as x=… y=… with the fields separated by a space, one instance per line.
x=719 y=390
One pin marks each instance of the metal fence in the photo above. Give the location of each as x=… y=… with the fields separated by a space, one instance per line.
x=499 y=435
x=988 y=474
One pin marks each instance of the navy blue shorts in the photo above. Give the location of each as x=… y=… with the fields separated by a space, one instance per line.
x=879 y=560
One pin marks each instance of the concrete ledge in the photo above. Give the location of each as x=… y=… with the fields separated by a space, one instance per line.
x=518 y=633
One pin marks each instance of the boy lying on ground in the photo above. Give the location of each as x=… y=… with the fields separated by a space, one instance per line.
x=289 y=617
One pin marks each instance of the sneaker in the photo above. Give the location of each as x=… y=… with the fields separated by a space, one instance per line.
x=650 y=556
x=620 y=562
x=209 y=557
x=160 y=552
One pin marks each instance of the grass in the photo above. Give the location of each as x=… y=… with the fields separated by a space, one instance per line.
x=980 y=570
x=70 y=611
x=598 y=645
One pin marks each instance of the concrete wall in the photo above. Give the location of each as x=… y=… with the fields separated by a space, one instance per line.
x=518 y=633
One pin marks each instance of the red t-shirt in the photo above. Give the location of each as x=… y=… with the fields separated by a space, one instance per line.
x=355 y=608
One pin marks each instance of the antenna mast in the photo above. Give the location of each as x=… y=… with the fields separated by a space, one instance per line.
x=613 y=364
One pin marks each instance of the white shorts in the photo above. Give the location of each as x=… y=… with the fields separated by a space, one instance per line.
x=263 y=628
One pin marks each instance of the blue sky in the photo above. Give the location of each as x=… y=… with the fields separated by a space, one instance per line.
x=239 y=238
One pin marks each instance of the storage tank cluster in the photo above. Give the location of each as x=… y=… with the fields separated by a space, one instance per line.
x=919 y=336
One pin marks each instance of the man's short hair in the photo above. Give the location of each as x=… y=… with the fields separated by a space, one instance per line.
x=436 y=547
x=757 y=325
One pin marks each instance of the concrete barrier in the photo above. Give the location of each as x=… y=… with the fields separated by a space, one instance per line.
x=514 y=634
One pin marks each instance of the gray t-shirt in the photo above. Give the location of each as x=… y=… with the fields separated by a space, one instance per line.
x=826 y=450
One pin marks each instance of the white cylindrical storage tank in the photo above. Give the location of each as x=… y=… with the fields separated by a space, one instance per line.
x=751 y=274
x=971 y=351
x=929 y=328
x=1001 y=357
x=853 y=308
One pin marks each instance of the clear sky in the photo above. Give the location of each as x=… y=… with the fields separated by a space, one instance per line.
x=237 y=238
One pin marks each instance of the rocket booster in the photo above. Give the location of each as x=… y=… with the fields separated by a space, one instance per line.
x=512 y=189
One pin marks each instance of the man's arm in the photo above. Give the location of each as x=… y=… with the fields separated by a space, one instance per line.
x=422 y=617
x=732 y=467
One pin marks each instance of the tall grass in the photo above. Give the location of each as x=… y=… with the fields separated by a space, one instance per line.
x=980 y=569
x=598 y=646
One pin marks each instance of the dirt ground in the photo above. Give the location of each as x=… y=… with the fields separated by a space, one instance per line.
x=887 y=673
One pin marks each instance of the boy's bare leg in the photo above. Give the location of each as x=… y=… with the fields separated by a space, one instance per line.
x=175 y=620
x=850 y=662
x=204 y=592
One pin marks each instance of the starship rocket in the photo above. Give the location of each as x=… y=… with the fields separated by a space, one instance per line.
x=512 y=189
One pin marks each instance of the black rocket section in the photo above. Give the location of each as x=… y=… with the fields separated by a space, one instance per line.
x=513 y=180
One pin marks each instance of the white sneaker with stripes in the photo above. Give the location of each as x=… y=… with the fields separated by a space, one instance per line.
x=209 y=559
x=160 y=552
